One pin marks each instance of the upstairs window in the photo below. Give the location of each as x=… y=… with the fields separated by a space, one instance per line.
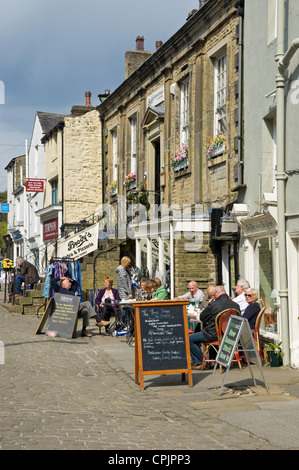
x=54 y=189
x=133 y=144
x=184 y=113
x=220 y=95
x=114 y=151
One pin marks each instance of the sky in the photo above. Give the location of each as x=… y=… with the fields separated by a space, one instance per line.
x=51 y=53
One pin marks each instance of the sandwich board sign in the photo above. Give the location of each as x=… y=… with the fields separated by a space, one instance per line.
x=237 y=331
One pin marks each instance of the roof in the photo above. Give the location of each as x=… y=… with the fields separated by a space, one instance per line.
x=49 y=120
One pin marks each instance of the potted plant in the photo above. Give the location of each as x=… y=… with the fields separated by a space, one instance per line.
x=130 y=181
x=111 y=190
x=180 y=162
x=217 y=145
x=274 y=353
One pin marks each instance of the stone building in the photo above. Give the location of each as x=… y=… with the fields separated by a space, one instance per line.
x=171 y=133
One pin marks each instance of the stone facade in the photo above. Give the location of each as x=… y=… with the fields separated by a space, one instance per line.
x=144 y=128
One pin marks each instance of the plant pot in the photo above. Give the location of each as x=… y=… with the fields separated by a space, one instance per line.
x=273 y=359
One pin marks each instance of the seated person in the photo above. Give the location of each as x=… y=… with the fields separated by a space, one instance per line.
x=194 y=294
x=240 y=289
x=104 y=300
x=251 y=312
x=27 y=273
x=64 y=285
x=160 y=292
x=208 y=316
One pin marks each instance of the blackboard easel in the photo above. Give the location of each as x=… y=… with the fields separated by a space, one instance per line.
x=161 y=340
x=62 y=315
x=237 y=330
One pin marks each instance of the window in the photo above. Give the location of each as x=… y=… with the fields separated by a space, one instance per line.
x=184 y=114
x=133 y=144
x=114 y=150
x=54 y=187
x=220 y=95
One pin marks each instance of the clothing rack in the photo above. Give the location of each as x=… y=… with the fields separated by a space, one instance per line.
x=60 y=267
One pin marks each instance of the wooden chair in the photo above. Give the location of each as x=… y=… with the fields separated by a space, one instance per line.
x=257 y=338
x=221 y=322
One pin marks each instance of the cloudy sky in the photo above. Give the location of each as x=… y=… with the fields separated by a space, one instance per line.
x=52 y=52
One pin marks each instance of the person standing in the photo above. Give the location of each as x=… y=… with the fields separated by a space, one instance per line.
x=124 y=281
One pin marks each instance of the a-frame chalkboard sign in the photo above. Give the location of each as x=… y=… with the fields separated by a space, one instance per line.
x=161 y=339
x=237 y=332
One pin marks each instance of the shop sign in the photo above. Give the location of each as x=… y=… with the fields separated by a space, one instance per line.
x=34 y=185
x=50 y=229
x=80 y=244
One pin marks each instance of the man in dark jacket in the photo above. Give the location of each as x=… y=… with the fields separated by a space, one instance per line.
x=26 y=273
x=208 y=316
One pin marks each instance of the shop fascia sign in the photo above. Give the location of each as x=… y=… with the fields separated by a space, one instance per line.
x=80 y=244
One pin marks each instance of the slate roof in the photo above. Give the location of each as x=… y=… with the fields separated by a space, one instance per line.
x=49 y=120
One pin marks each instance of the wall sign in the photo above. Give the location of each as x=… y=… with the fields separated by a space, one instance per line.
x=80 y=244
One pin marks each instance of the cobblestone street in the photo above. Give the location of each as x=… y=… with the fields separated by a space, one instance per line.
x=72 y=394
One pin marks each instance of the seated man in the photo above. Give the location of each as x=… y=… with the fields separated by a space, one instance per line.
x=64 y=285
x=194 y=294
x=240 y=289
x=208 y=316
x=27 y=273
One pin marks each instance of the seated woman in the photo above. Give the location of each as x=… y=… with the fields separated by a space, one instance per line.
x=161 y=292
x=251 y=312
x=104 y=301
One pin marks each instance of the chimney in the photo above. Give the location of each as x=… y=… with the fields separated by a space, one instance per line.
x=87 y=98
x=158 y=44
x=140 y=43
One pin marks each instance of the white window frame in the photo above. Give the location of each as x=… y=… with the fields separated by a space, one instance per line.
x=114 y=155
x=184 y=112
x=220 y=89
x=133 y=124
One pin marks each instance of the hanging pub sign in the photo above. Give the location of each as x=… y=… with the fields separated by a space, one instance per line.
x=34 y=185
x=80 y=244
x=50 y=229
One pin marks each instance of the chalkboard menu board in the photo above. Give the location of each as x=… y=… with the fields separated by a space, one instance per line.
x=161 y=338
x=229 y=342
x=64 y=316
x=237 y=333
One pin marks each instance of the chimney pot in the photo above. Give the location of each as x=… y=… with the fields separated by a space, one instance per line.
x=87 y=98
x=140 y=43
x=158 y=44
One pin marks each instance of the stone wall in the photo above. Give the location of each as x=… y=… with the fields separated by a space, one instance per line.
x=82 y=166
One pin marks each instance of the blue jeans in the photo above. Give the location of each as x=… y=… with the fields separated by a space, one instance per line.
x=195 y=350
x=18 y=283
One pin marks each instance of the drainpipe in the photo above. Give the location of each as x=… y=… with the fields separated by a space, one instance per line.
x=283 y=61
x=102 y=118
x=240 y=94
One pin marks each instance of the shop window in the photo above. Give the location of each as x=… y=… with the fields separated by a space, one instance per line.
x=266 y=282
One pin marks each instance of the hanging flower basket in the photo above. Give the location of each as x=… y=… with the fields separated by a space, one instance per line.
x=216 y=146
x=130 y=181
x=181 y=160
x=7 y=265
x=111 y=190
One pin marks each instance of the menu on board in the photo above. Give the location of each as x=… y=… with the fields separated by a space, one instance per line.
x=63 y=319
x=161 y=339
